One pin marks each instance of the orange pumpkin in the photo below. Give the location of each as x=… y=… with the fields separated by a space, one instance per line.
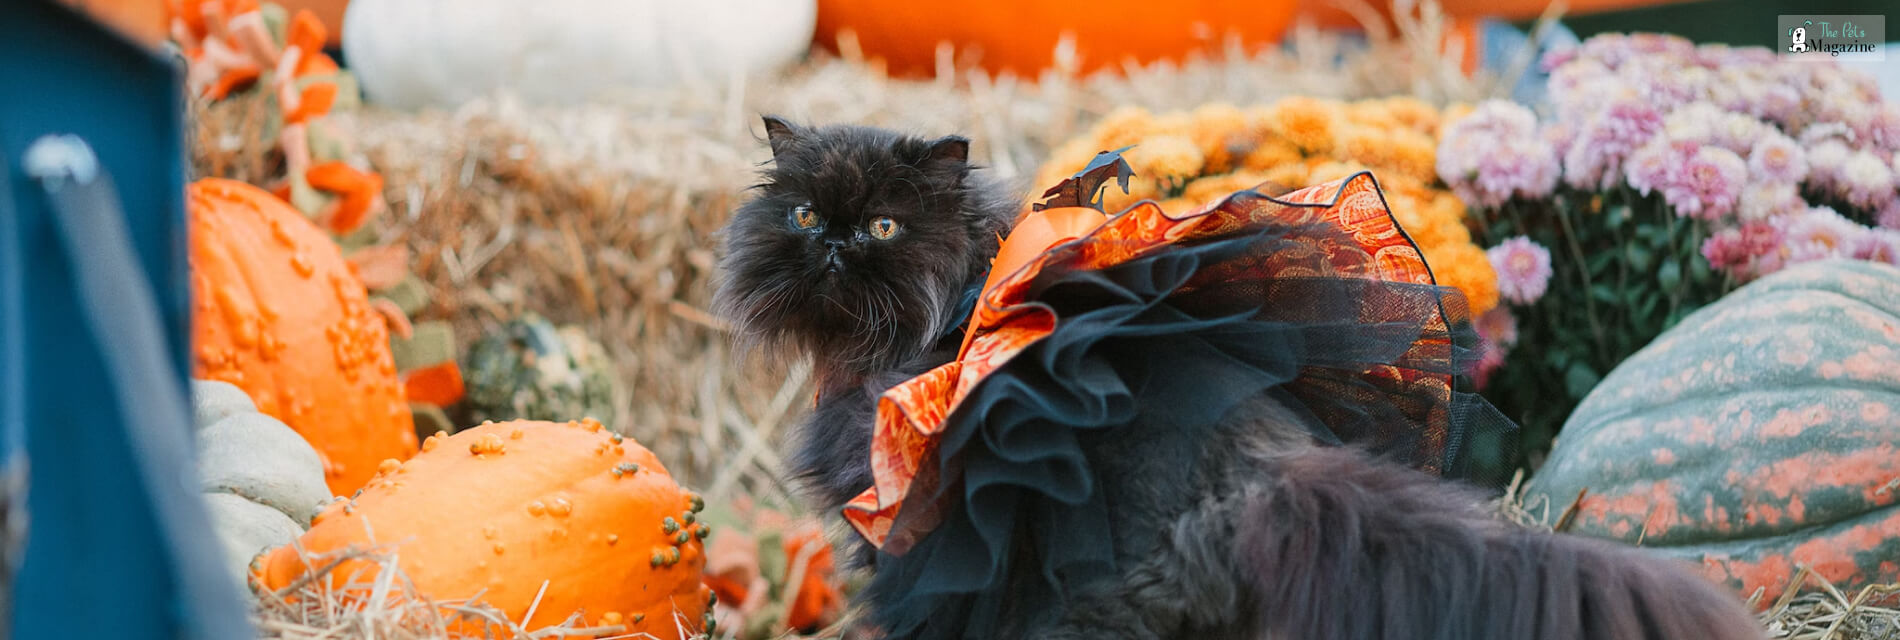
x=278 y=312
x=505 y=507
x=1021 y=37
x=817 y=601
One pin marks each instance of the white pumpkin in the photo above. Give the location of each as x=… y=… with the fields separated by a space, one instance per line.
x=261 y=481
x=420 y=53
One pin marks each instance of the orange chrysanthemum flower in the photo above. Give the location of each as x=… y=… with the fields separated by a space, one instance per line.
x=1370 y=114
x=1292 y=175
x=1122 y=127
x=1271 y=153
x=1218 y=129
x=1215 y=187
x=1308 y=123
x=1413 y=153
x=1412 y=113
x=1426 y=224
x=1065 y=161
x=1171 y=159
x=1465 y=267
x=1324 y=170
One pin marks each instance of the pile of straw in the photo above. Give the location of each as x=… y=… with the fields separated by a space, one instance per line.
x=386 y=604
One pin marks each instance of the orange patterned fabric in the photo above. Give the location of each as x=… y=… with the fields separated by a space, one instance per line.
x=911 y=416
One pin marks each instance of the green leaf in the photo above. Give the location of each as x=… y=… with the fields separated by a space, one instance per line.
x=430 y=344
x=1670 y=275
x=1692 y=243
x=772 y=560
x=1699 y=271
x=410 y=295
x=1620 y=214
x=1580 y=379
x=1640 y=259
x=1604 y=293
x=1646 y=304
x=1601 y=262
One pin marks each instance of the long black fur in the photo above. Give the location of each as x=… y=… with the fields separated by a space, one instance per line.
x=879 y=313
x=1304 y=541
x=1272 y=536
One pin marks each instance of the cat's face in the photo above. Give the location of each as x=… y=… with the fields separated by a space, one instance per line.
x=856 y=247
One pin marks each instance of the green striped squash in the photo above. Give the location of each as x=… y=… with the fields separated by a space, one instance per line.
x=1759 y=435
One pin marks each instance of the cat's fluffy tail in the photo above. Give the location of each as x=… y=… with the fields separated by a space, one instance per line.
x=1340 y=547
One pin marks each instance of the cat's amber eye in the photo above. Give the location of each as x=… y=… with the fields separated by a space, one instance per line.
x=804 y=217
x=883 y=228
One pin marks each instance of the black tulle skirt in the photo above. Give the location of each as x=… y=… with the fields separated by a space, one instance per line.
x=1292 y=297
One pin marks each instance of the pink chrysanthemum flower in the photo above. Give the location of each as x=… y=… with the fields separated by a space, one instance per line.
x=1818 y=234
x=1739 y=89
x=1707 y=187
x=1657 y=164
x=1594 y=95
x=1761 y=201
x=1495 y=154
x=1560 y=134
x=1776 y=158
x=1649 y=167
x=1694 y=122
x=1501 y=117
x=1518 y=167
x=1826 y=159
x=1879 y=245
x=1611 y=49
x=1565 y=81
x=1889 y=215
x=1885 y=130
x=1488 y=364
x=1747 y=252
x=1595 y=159
x=1865 y=181
x=1497 y=326
x=1739 y=132
x=1523 y=269
x=1652 y=42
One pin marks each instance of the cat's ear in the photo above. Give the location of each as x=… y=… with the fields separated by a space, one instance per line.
x=948 y=151
x=780 y=133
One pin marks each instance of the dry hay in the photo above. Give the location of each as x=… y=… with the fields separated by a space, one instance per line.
x=384 y=603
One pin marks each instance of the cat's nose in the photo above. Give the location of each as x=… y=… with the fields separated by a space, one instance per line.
x=834 y=243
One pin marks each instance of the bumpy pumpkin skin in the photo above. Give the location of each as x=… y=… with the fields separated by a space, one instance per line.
x=278 y=312
x=502 y=507
x=1760 y=434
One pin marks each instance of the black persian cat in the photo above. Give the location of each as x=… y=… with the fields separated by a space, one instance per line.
x=861 y=252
